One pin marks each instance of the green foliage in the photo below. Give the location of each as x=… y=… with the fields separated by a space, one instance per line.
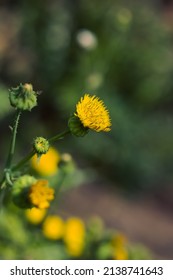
x=22 y=240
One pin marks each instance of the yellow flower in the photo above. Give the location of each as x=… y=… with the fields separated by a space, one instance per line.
x=40 y=194
x=119 y=243
x=93 y=114
x=53 y=227
x=47 y=165
x=74 y=236
x=35 y=215
x=119 y=240
x=120 y=253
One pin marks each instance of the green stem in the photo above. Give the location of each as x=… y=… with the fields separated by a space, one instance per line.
x=13 y=141
x=11 y=150
x=2 y=198
x=2 y=183
x=33 y=152
x=23 y=161
x=58 y=136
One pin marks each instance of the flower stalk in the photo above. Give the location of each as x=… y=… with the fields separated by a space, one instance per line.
x=13 y=140
x=59 y=136
x=7 y=169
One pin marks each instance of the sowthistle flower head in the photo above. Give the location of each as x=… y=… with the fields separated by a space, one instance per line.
x=93 y=114
x=28 y=192
x=40 y=194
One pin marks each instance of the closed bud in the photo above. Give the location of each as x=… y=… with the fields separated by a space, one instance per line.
x=41 y=145
x=23 y=97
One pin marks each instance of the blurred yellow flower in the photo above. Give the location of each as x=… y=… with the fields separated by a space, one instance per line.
x=119 y=240
x=74 y=236
x=47 y=165
x=120 y=253
x=93 y=114
x=35 y=215
x=119 y=243
x=40 y=194
x=53 y=227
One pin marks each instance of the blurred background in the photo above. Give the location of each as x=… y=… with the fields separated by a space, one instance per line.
x=121 y=51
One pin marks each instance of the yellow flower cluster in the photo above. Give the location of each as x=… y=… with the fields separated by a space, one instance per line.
x=40 y=194
x=71 y=231
x=93 y=114
x=47 y=165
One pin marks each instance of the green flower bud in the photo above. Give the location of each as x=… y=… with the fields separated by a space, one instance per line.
x=41 y=145
x=23 y=97
x=76 y=127
x=20 y=191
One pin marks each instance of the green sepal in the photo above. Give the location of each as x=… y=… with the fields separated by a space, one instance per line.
x=76 y=127
x=23 y=97
x=20 y=191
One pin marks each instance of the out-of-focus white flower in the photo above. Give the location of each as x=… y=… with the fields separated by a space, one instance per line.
x=86 y=39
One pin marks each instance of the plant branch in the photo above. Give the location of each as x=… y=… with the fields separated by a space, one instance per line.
x=23 y=161
x=33 y=152
x=58 y=136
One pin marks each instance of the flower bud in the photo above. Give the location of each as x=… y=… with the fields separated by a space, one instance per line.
x=76 y=127
x=41 y=145
x=23 y=97
x=20 y=191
